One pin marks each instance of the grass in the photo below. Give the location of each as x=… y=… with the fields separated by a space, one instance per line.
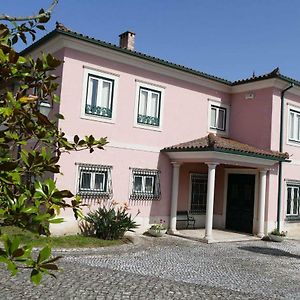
x=66 y=241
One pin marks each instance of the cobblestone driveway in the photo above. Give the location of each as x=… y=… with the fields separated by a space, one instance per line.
x=170 y=268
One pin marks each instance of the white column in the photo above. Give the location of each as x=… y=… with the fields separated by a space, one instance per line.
x=261 y=202
x=210 y=200
x=174 y=200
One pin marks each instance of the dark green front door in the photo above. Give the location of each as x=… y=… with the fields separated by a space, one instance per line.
x=240 y=202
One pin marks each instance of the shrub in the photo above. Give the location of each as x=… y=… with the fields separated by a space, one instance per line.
x=111 y=223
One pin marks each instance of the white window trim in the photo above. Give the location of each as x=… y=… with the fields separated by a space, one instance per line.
x=287 y=122
x=291 y=183
x=144 y=183
x=92 y=182
x=218 y=103
x=141 y=84
x=86 y=72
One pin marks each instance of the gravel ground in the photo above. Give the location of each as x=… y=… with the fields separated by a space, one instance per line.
x=169 y=268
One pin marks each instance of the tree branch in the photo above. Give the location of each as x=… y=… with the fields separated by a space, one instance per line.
x=47 y=13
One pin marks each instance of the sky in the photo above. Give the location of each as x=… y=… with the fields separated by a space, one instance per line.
x=230 y=39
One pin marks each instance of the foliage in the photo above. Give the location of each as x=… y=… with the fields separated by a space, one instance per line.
x=67 y=241
x=159 y=226
x=30 y=147
x=278 y=233
x=111 y=222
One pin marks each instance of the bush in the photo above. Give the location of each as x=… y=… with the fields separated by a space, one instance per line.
x=111 y=223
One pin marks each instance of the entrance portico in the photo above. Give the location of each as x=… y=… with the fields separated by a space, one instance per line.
x=216 y=152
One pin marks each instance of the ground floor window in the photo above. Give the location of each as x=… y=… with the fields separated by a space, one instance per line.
x=292 y=205
x=94 y=180
x=145 y=184
x=198 y=193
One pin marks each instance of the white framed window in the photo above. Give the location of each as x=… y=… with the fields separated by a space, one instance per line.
x=145 y=184
x=292 y=203
x=218 y=117
x=148 y=107
x=99 y=95
x=294 y=125
x=94 y=180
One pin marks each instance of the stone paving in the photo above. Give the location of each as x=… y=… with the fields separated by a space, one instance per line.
x=169 y=268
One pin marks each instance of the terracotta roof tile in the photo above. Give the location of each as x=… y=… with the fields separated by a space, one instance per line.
x=212 y=142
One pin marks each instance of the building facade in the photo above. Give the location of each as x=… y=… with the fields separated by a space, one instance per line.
x=179 y=139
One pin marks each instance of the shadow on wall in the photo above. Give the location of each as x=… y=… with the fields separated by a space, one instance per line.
x=270 y=251
x=160 y=209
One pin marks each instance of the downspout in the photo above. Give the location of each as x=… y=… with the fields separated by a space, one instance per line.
x=279 y=202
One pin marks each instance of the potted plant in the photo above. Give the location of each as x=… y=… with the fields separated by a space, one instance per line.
x=158 y=229
x=277 y=236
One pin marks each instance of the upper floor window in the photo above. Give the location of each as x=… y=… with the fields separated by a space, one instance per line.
x=293 y=198
x=145 y=184
x=99 y=95
x=94 y=180
x=294 y=125
x=149 y=107
x=149 y=99
x=218 y=117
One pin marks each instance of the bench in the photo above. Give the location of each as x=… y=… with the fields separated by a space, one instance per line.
x=184 y=216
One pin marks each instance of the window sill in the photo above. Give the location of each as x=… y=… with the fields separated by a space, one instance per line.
x=293 y=143
x=218 y=132
x=147 y=127
x=295 y=219
x=97 y=119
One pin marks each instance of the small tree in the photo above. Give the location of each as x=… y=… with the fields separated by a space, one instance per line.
x=30 y=147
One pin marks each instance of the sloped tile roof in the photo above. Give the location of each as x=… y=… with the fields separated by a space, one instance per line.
x=212 y=142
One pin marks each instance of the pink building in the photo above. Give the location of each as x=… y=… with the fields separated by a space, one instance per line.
x=179 y=139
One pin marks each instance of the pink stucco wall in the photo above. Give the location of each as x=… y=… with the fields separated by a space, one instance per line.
x=184 y=117
x=250 y=120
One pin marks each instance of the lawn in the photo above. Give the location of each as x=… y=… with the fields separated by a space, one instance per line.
x=66 y=241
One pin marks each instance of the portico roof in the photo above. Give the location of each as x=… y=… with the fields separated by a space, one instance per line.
x=212 y=142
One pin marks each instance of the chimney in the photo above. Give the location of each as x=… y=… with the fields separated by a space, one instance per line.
x=127 y=40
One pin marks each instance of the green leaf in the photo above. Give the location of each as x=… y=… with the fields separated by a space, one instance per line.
x=44 y=254
x=36 y=276
x=19 y=252
x=56 y=220
x=11 y=266
x=49 y=267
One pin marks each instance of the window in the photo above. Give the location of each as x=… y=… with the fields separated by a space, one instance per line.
x=218 y=118
x=198 y=193
x=99 y=96
x=94 y=180
x=294 y=125
x=293 y=206
x=145 y=184
x=149 y=107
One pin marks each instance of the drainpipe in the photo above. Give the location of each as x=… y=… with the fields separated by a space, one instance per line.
x=279 y=202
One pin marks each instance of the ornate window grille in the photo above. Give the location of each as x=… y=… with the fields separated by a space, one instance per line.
x=94 y=181
x=145 y=184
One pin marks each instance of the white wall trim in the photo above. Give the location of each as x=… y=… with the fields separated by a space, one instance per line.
x=136 y=147
x=220 y=157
